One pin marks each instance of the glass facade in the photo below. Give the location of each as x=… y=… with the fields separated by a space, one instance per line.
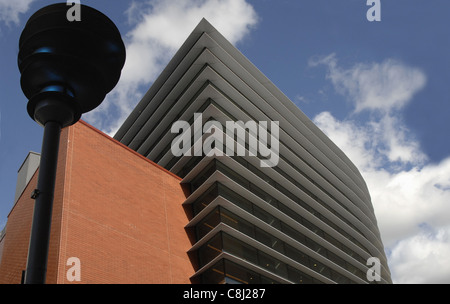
x=221 y=242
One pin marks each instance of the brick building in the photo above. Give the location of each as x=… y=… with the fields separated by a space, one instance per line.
x=114 y=210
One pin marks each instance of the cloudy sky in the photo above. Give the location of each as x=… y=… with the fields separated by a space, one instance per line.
x=380 y=90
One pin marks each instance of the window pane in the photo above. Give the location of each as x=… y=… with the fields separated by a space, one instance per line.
x=236 y=222
x=271 y=264
x=269 y=240
x=298 y=277
x=209 y=251
x=214 y=275
x=297 y=256
x=239 y=249
x=203 y=176
x=241 y=274
x=208 y=224
x=205 y=199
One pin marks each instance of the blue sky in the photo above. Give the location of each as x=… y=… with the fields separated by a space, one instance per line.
x=380 y=90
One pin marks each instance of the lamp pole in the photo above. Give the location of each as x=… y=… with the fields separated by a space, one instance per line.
x=40 y=228
x=67 y=68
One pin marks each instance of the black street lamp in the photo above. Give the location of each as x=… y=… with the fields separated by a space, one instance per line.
x=67 y=68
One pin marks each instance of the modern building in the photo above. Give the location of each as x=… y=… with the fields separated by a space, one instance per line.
x=155 y=205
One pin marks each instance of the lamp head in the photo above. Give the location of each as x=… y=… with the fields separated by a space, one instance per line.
x=67 y=68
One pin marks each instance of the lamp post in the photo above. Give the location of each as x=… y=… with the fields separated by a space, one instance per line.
x=67 y=68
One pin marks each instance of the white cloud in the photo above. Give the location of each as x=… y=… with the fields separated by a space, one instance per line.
x=423 y=258
x=376 y=86
x=160 y=27
x=11 y=9
x=408 y=192
x=383 y=142
x=407 y=199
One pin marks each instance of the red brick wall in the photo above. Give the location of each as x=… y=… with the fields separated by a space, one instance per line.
x=115 y=211
x=15 y=242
